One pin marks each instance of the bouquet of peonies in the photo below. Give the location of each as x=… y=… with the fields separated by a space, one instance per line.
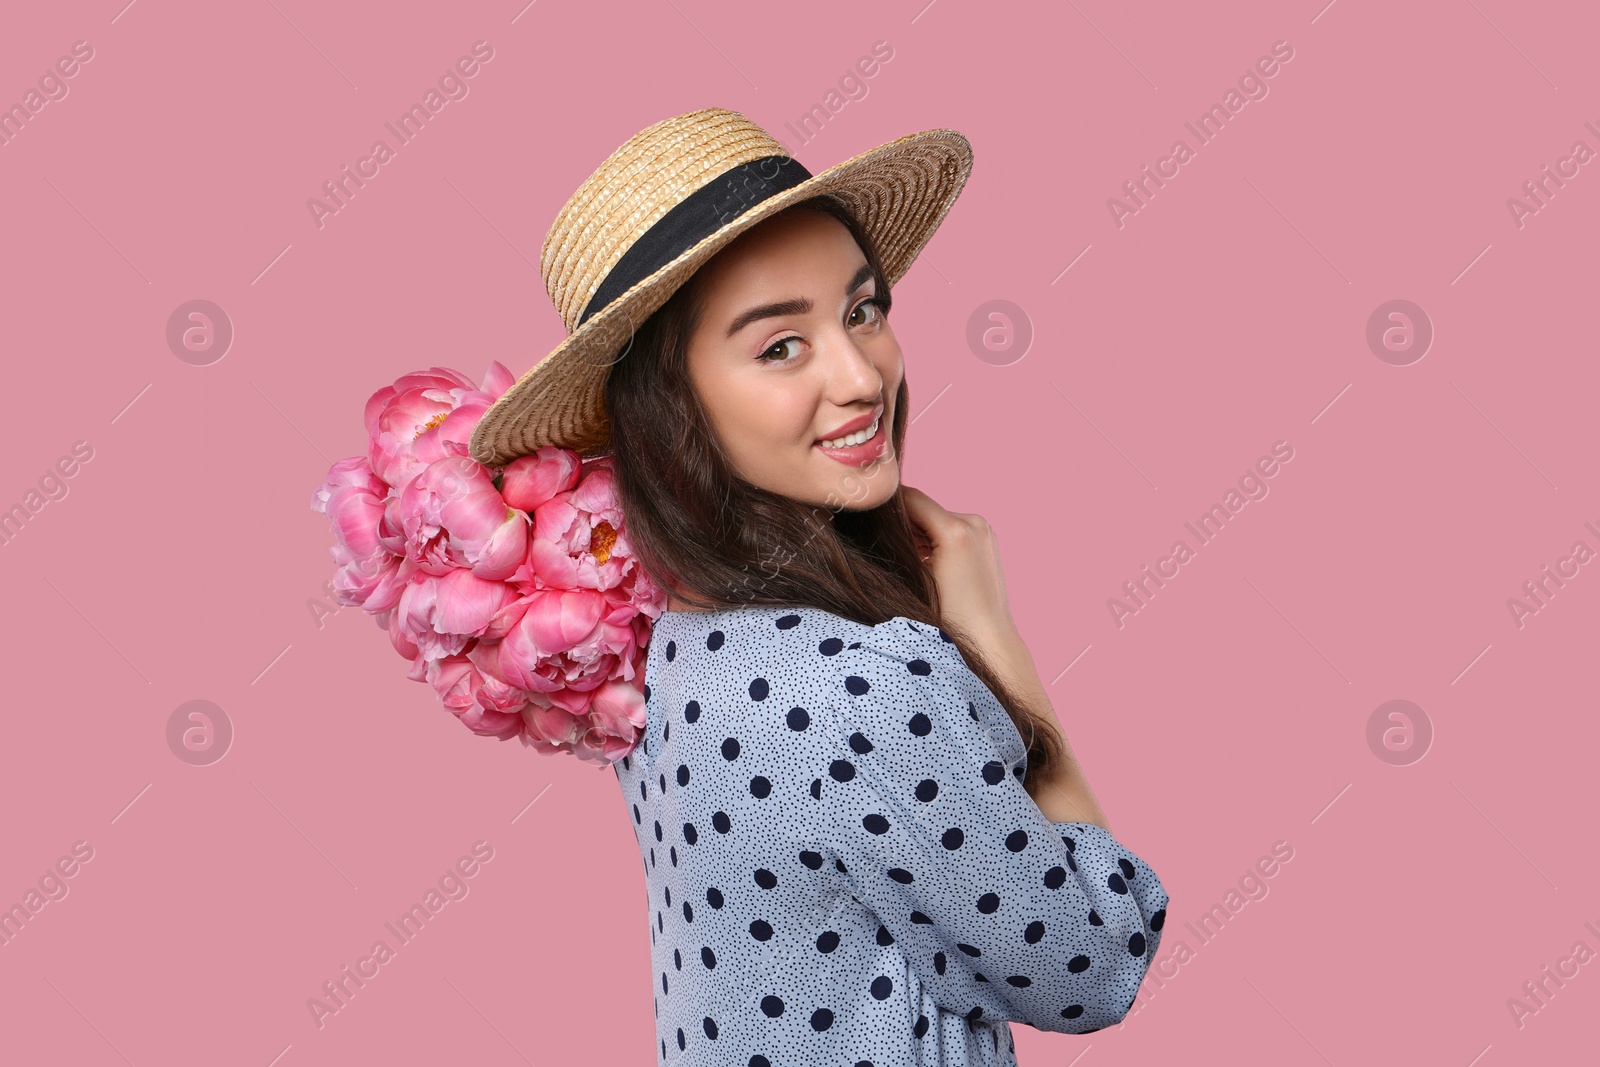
x=513 y=592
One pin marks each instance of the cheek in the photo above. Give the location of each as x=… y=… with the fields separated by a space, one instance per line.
x=755 y=416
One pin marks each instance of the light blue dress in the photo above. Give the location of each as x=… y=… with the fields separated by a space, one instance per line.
x=841 y=864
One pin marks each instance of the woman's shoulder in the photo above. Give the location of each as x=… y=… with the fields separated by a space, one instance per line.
x=766 y=625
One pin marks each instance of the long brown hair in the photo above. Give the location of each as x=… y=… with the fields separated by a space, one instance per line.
x=716 y=540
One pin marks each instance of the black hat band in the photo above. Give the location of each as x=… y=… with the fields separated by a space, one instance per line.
x=693 y=219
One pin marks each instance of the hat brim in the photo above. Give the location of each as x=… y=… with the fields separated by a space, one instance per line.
x=899 y=192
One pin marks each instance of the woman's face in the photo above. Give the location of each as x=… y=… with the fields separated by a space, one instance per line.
x=790 y=351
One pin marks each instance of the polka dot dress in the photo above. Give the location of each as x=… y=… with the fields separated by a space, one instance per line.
x=841 y=863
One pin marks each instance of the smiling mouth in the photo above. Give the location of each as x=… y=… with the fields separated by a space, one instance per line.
x=851 y=439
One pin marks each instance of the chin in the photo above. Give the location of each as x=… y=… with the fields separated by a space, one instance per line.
x=862 y=490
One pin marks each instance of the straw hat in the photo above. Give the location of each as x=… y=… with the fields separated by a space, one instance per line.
x=665 y=202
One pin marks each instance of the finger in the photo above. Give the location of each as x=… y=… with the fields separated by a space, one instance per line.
x=926 y=513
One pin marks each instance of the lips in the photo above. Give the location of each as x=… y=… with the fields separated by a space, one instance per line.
x=859 y=423
x=864 y=454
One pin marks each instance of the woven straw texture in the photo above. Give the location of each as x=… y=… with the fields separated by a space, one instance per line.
x=900 y=192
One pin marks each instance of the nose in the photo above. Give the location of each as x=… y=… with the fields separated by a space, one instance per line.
x=853 y=377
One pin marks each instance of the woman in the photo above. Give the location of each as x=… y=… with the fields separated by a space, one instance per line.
x=851 y=855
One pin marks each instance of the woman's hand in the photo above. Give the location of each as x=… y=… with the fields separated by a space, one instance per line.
x=964 y=554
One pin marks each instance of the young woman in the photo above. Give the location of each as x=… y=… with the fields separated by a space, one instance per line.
x=851 y=854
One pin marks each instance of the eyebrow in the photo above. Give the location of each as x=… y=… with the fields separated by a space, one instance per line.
x=797 y=306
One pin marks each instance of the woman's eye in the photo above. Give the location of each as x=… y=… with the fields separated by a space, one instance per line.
x=865 y=305
x=774 y=354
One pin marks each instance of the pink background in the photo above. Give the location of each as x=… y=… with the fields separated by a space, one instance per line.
x=1229 y=313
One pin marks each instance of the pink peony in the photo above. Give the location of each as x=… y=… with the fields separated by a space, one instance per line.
x=369 y=574
x=486 y=705
x=425 y=417
x=452 y=516
x=440 y=614
x=514 y=593
x=529 y=481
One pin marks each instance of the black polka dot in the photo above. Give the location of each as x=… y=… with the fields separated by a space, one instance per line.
x=760 y=787
x=827 y=941
x=1033 y=932
x=859 y=743
x=714 y=639
x=765 y=878
x=919 y=667
x=708 y=957
x=1021 y=981
x=1116 y=883
x=788 y=622
x=1017 y=840
x=1055 y=877
x=1136 y=944
x=994 y=772
x=842 y=770
x=1078 y=964
x=821 y=1019
x=1072 y=1011
x=758 y=689
x=680 y=1037
x=901 y=875
x=952 y=838
x=711 y=1026
x=683 y=774
x=761 y=930
x=730 y=748
x=714 y=897
x=927 y=789
x=876 y=823
x=971 y=950
x=989 y=903
x=719 y=820
x=672 y=651
x=759 y=1061
x=690 y=834
x=1158 y=920
x=831 y=647
x=771 y=1006
x=920 y=725
x=1125 y=867
x=691 y=711
x=798 y=718
x=856 y=685
x=921 y=1027
x=811 y=859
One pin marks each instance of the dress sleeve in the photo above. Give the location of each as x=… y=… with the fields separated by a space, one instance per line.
x=1003 y=913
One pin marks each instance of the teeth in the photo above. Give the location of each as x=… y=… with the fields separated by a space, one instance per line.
x=857 y=438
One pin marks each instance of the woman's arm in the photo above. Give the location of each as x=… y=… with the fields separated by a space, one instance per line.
x=1065 y=796
x=964 y=554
